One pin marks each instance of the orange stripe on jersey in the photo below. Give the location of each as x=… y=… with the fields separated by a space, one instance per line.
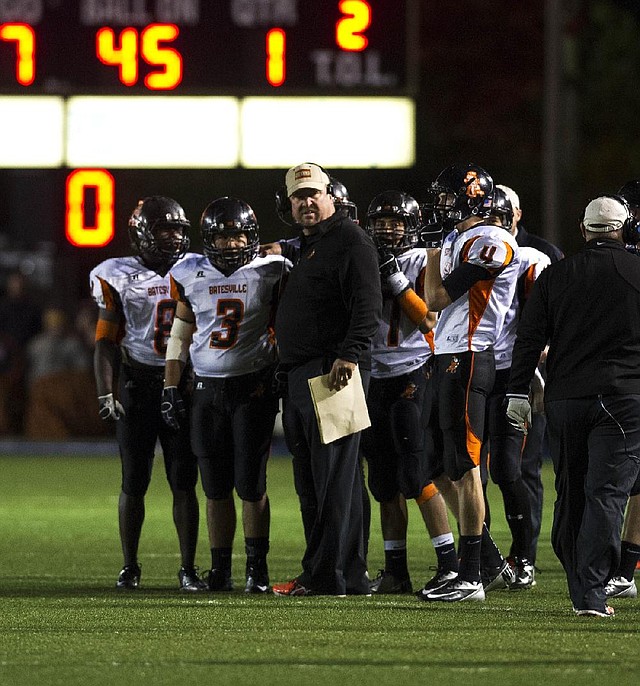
x=529 y=280
x=467 y=247
x=107 y=330
x=429 y=337
x=175 y=293
x=479 y=295
x=427 y=493
x=109 y=302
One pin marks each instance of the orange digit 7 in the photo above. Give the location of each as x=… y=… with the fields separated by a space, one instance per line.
x=25 y=38
x=169 y=58
x=351 y=27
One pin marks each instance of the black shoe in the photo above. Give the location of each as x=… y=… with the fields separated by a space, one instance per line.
x=442 y=578
x=189 y=580
x=257 y=580
x=218 y=580
x=129 y=577
x=388 y=583
x=525 y=575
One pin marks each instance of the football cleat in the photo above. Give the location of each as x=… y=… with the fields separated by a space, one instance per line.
x=291 y=588
x=189 y=580
x=608 y=612
x=218 y=580
x=387 y=583
x=524 y=575
x=456 y=591
x=257 y=580
x=441 y=578
x=498 y=577
x=129 y=577
x=619 y=587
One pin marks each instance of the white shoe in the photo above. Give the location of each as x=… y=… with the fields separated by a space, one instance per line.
x=619 y=587
x=608 y=612
x=455 y=591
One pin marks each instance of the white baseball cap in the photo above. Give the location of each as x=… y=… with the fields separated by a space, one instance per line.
x=306 y=175
x=604 y=214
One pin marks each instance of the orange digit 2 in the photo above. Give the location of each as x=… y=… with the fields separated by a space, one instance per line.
x=165 y=312
x=232 y=312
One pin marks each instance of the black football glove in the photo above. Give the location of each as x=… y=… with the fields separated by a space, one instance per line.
x=109 y=408
x=172 y=407
x=392 y=276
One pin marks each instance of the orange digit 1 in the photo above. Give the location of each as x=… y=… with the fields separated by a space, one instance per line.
x=351 y=27
x=25 y=38
x=124 y=57
x=276 y=57
x=153 y=54
x=78 y=231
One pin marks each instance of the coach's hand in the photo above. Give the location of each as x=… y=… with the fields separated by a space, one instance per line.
x=109 y=408
x=172 y=407
x=340 y=374
x=519 y=412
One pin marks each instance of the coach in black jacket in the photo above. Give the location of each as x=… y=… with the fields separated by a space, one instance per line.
x=327 y=315
x=588 y=308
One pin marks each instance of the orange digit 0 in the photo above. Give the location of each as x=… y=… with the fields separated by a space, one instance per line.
x=102 y=231
x=169 y=58
x=25 y=39
x=351 y=27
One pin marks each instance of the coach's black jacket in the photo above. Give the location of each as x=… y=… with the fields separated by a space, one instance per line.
x=587 y=307
x=332 y=301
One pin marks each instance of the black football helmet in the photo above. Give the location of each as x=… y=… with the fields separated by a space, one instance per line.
x=153 y=213
x=399 y=205
x=283 y=206
x=631 y=193
x=229 y=217
x=502 y=208
x=341 y=199
x=460 y=191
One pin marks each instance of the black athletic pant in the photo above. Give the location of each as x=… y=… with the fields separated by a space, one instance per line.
x=595 y=446
x=333 y=563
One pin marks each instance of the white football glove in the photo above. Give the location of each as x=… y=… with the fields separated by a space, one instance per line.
x=110 y=409
x=519 y=412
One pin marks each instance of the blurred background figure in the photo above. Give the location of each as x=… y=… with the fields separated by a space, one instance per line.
x=21 y=320
x=61 y=401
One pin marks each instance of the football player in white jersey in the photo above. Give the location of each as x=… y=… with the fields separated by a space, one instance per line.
x=471 y=281
x=136 y=311
x=505 y=442
x=226 y=304
x=400 y=369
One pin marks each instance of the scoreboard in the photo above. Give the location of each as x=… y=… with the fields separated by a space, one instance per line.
x=203 y=46
x=79 y=78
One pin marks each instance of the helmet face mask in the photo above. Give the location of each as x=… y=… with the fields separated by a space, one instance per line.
x=227 y=218
x=341 y=199
x=393 y=222
x=158 y=231
x=460 y=192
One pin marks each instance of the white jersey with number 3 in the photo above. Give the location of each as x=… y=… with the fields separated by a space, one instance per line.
x=234 y=314
x=474 y=320
x=142 y=298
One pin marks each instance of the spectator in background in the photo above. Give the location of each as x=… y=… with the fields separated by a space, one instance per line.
x=61 y=400
x=20 y=318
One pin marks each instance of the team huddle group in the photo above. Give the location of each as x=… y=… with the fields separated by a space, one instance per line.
x=422 y=301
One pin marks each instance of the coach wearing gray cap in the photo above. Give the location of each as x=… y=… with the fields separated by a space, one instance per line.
x=587 y=307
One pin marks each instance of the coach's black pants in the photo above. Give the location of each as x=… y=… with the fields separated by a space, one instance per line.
x=595 y=446
x=327 y=479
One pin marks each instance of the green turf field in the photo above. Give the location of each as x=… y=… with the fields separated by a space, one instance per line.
x=62 y=622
